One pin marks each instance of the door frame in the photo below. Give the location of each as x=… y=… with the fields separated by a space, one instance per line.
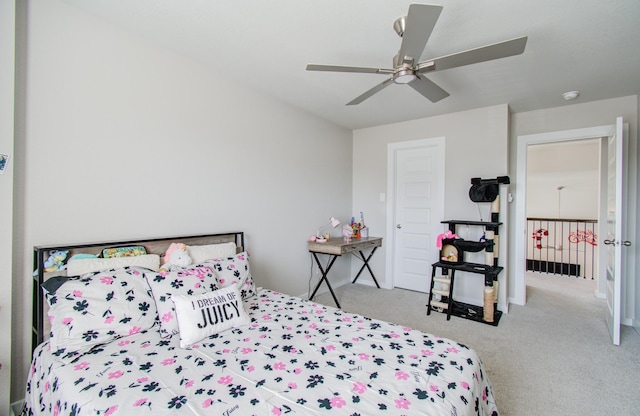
x=392 y=149
x=613 y=294
x=520 y=224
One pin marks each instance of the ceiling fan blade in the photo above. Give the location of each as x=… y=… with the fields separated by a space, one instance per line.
x=370 y=92
x=428 y=88
x=420 y=22
x=338 y=68
x=473 y=56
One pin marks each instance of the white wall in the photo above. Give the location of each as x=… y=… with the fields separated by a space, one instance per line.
x=119 y=138
x=476 y=144
x=583 y=115
x=636 y=315
x=574 y=166
x=7 y=61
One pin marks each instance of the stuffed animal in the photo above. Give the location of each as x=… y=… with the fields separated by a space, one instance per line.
x=176 y=255
x=446 y=234
x=55 y=261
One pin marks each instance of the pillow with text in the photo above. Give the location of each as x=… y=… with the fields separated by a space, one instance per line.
x=201 y=316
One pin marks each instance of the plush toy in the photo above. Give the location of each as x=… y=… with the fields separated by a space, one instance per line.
x=447 y=234
x=176 y=255
x=55 y=261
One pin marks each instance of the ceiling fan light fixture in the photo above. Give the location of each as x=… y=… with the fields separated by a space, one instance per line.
x=404 y=76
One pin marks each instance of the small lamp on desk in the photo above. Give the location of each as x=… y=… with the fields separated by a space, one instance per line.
x=319 y=238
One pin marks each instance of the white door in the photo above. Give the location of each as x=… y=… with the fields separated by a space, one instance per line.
x=418 y=208
x=615 y=183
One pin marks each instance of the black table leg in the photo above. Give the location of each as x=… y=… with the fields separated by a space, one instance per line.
x=366 y=264
x=324 y=278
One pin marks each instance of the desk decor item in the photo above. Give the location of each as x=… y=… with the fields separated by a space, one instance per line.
x=359 y=229
x=323 y=238
x=347 y=233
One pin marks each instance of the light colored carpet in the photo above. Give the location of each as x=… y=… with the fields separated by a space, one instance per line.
x=550 y=357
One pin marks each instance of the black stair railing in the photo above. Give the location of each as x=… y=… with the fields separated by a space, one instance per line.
x=563 y=246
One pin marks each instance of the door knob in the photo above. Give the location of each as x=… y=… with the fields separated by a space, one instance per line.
x=626 y=243
x=610 y=242
x=398 y=226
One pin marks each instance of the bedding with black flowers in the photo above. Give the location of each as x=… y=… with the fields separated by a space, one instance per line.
x=295 y=357
x=95 y=308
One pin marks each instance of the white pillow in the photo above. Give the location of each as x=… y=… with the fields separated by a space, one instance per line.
x=93 y=309
x=199 y=254
x=203 y=315
x=194 y=280
x=234 y=271
x=81 y=266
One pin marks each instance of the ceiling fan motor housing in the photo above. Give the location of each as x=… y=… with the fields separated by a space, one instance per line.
x=403 y=71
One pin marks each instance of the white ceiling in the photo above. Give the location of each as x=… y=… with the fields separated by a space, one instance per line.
x=587 y=45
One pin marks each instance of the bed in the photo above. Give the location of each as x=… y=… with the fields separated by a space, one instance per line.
x=203 y=339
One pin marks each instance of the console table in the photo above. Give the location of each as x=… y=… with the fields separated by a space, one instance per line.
x=337 y=247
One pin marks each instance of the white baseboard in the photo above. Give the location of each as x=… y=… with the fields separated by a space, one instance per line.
x=16 y=407
x=365 y=282
x=515 y=301
x=323 y=287
x=503 y=307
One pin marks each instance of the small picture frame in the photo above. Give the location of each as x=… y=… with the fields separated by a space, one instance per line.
x=4 y=161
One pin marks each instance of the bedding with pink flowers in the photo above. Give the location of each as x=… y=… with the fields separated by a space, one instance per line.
x=294 y=357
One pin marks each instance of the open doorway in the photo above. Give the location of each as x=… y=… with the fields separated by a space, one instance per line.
x=520 y=224
x=562 y=210
x=614 y=213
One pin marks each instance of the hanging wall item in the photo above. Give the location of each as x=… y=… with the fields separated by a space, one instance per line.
x=486 y=190
x=4 y=160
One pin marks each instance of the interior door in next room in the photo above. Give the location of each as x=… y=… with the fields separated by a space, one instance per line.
x=418 y=210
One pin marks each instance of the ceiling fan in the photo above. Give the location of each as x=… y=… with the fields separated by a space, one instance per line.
x=415 y=30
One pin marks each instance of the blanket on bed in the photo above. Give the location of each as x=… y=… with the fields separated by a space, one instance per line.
x=295 y=357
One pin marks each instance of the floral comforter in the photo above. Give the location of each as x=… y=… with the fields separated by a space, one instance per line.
x=295 y=358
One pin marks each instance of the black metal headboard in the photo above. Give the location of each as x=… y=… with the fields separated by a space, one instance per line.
x=152 y=246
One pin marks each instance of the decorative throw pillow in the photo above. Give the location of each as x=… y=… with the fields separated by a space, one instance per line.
x=200 y=254
x=201 y=316
x=130 y=251
x=97 y=308
x=91 y=265
x=235 y=271
x=188 y=281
